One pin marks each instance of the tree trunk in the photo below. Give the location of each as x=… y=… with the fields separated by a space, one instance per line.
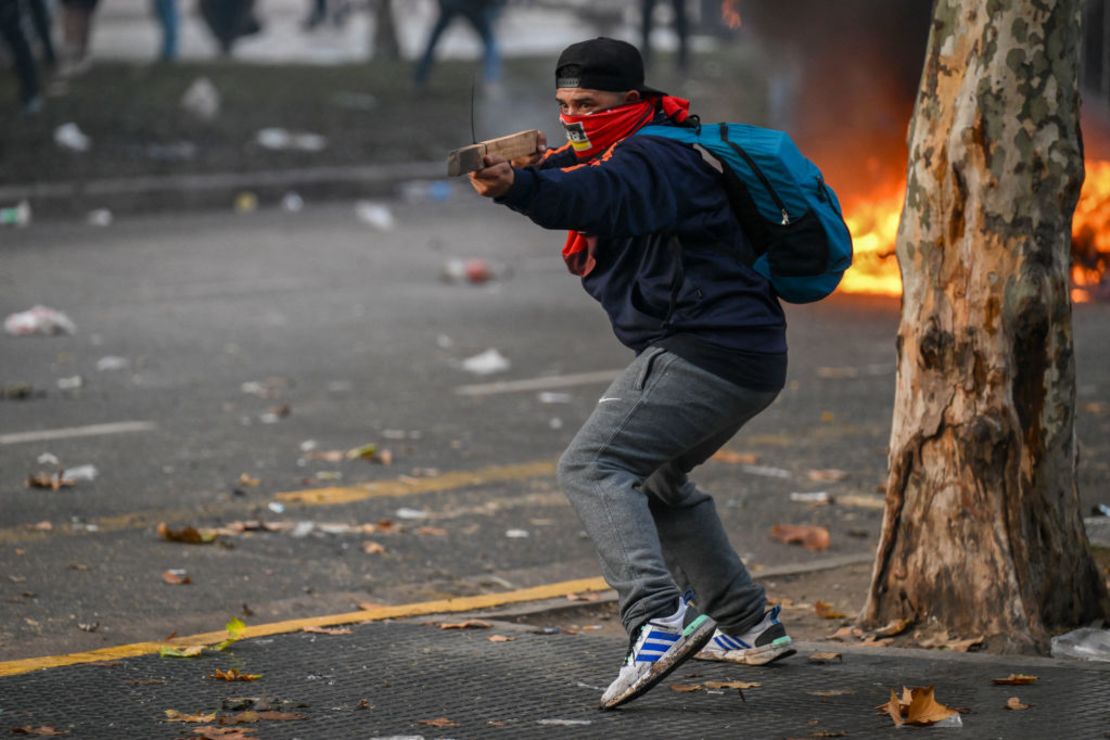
x=982 y=533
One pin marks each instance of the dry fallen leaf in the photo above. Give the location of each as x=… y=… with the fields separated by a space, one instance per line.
x=735 y=458
x=810 y=537
x=41 y=730
x=590 y=596
x=826 y=658
x=212 y=732
x=372 y=548
x=187 y=535
x=916 y=706
x=825 y=610
x=828 y=475
x=732 y=685
x=172 y=715
x=1015 y=704
x=248 y=481
x=176 y=577
x=846 y=633
x=52 y=481
x=438 y=722
x=251 y=716
x=363 y=704
x=234 y=674
x=469 y=624
x=431 y=532
x=896 y=627
x=326 y=630
x=686 y=688
x=1015 y=679
x=189 y=651
x=501 y=638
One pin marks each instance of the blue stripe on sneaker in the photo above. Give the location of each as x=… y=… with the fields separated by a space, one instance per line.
x=654 y=647
x=657 y=635
x=647 y=658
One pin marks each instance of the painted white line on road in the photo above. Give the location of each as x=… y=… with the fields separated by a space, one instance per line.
x=94 y=430
x=537 y=384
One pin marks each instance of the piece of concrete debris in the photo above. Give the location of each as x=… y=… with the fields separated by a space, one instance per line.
x=39 y=320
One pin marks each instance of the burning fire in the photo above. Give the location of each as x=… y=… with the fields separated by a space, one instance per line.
x=730 y=15
x=873 y=221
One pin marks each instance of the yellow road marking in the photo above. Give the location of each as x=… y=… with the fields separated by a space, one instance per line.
x=409 y=486
x=402 y=486
x=399 y=611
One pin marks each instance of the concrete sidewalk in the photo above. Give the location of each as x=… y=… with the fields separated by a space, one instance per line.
x=410 y=678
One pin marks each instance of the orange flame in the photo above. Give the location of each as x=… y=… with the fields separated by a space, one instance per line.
x=730 y=15
x=873 y=222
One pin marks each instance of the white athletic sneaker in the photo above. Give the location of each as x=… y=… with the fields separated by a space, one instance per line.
x=660 y=647
x=765 y=643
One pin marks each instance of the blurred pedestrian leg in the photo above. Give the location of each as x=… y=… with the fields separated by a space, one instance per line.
x=40 y=18
x=316 y=14
x=77 y=18
x=681 y=29
x=481 y=14
x=229 y=20
x=11 y=28
x=166 y=10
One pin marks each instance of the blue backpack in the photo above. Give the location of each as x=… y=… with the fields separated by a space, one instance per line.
x=792 y=218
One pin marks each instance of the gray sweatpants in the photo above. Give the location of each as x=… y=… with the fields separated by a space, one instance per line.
x=657 y=533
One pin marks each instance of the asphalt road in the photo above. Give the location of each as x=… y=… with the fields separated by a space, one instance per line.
x=354 y=330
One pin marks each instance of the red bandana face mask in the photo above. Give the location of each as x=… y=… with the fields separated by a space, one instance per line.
x=593 y=133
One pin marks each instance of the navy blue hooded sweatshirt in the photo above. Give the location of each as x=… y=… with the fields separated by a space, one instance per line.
x=667 y=269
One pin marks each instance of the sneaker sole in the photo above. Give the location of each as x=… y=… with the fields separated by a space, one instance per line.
x=765 y=655
x=697 y=634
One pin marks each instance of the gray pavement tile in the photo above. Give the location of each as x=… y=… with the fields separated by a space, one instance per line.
x=410 y=672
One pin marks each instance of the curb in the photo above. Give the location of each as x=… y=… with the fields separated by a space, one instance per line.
x=215 y=190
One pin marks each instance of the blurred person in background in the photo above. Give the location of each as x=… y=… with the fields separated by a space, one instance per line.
x=681 y=28
x=481 y=14
x=40 y=19
x=167 y=13
x=11 y=28
x=77 y=19
x=229 y=21
x=321 y=10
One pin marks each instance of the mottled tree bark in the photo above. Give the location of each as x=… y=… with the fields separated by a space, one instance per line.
x=982 y=533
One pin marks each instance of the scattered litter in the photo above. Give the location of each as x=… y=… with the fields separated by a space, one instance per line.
x=201 y=99
x=500 y=638
x=47 y=458
x=825 y=610
x=99 y=217
x=112 y=362
x=248 y=481
x=516 y=534
x=279 y=139
x=172 y=715
x=552 y=397
x=302 y=529
x=187 y=535
x=1101 y=510
x=564 y=722
x=292 y=203
x=765 y=471
x=474 y=271
x=1086 y=643
x=810 y=537
x=489 y=362
x=860 y=501
x=375 y=214
x=81 y=473
x=268 y=388
x=406 y=513
x=234 y=674
x=18 y=215
x=427 y=191
x=1015 y=704
x=88 y=626
x=19 y=392
x=246 y=202
x=830 y=475
x=373 y=548
x=71 y=383
x=816 y=497
x=276 y=507
x=70 y=136
x=176 y=577
x=39 y=320
x=555 y=423
x=308 y=445
x=326 y=630
x=275 y=414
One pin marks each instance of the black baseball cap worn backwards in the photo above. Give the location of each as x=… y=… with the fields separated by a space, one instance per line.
x=602 y=64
